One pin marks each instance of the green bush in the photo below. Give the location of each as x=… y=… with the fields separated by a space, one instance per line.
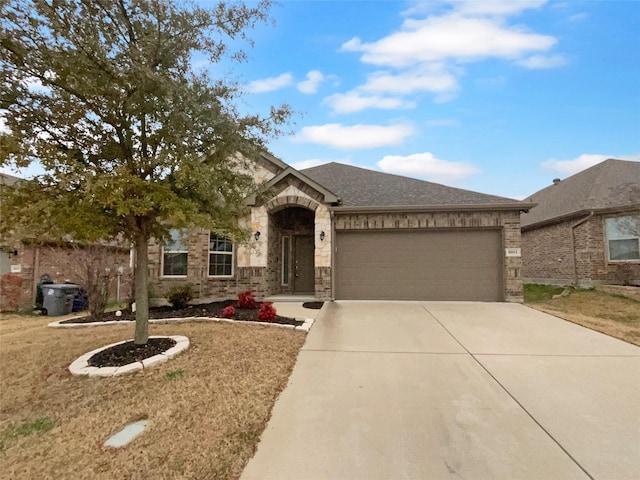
x=180 y=295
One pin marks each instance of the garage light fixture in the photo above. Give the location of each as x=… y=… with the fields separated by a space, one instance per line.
x=257 y=235
x=322 y=236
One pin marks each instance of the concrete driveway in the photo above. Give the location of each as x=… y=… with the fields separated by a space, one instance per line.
x=439 y=390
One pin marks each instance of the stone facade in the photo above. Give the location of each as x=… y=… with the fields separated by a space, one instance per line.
x=552 y=255
x=258 y=263
x=324 y=290
x=508 y=222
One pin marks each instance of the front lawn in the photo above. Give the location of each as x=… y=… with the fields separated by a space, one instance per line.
x=206 y=408
x=613 y=315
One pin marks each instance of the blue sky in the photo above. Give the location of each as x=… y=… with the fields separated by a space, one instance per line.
x=497 y=96
x=494 y=96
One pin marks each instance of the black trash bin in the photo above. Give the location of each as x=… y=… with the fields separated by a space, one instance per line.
x=80 y=301
x=58 y=298
x=44 y=280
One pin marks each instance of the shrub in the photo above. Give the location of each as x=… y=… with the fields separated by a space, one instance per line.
x=267 y=312
x=228 y=312
x=180 y=295
x=246 y=299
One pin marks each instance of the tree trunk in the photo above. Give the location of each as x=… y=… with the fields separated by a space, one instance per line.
x=142 y=290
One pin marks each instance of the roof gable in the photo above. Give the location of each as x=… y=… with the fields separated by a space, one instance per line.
x=328 y=196
x=609 y=184
x=271 y=162
x=359 y=187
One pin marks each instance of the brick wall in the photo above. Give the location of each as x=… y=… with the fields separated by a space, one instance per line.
x=244 y=278
x=65 y=264
x=548 y=257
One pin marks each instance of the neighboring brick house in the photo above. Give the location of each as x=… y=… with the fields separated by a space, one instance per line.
x=341 y=232
x=66 y=263
x=62 y=262
x=7 y=251
x=585 y=229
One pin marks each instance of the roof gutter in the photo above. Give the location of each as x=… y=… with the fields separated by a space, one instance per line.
x=573 y=245
x=569 y=216
x=520 y=206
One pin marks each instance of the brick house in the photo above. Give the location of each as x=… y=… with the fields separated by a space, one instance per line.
x=7 y=251
x=341 y=232
x=585 y=228
x=62 y=262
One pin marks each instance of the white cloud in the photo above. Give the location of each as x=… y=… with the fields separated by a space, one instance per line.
x=427 y=78
x=426 y=52
x=496 y=7
x=353 y=101
x=426 y=165
x=584 y=161
x=493 y=7
x=577 y=17
x=271 y=83
x=314 y=162
x=202 y=64
x=355 y=136
x=536 y=62
x=449 y=37
x=3 y=122
x=384 y=90
x=313 y=81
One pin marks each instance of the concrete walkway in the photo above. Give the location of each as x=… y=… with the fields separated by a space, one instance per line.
x=450 y=390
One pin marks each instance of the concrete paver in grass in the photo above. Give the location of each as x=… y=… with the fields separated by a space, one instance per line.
x=127 y=434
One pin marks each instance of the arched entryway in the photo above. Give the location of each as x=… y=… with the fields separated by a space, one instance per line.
x=292 y=249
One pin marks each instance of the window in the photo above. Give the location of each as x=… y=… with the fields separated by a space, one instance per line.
x=174 y=258
x=286 y=254
x=220 y=256
x=623 y=236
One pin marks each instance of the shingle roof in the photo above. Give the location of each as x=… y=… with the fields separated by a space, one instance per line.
x=612 y=183
x=6 y=179
x=359 y=187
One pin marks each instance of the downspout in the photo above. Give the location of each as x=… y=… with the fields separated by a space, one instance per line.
x=333 y=255
x=573 y=246
x=36 y=275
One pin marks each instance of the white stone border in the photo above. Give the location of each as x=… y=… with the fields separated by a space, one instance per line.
x=81 y=365
x=305 y=327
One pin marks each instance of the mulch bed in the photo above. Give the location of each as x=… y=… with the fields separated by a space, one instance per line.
x=213 y=309
x=129 y=352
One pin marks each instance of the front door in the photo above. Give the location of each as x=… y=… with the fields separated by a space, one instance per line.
x=303 y=271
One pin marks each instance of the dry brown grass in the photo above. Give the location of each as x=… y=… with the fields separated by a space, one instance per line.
x=613 y=315
x=205 y=422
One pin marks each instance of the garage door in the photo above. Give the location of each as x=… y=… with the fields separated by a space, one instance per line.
x=419 y=265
